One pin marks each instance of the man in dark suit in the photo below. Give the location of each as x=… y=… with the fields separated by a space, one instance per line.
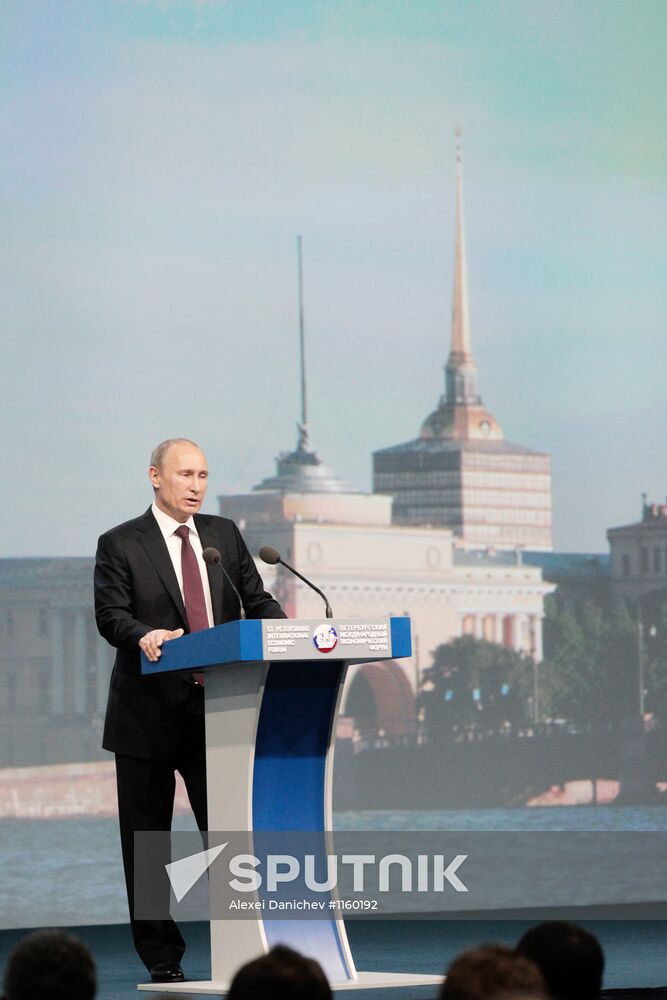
x=151 y=586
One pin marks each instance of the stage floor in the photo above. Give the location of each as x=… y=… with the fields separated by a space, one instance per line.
x=634 y=951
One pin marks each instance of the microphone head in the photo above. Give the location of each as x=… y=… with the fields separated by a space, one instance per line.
x=211 y=556
x=269 y=555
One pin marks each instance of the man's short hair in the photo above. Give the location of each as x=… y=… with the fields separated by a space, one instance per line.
x=570 y=959
x=493 y=970
x=282 y=973
x=50 y=965
x=159 y=452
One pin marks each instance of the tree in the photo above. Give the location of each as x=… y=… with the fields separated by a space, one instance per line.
x=653 y=613
x=590 y=672
x=474 y=685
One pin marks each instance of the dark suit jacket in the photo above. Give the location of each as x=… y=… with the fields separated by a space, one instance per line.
x=136 y=590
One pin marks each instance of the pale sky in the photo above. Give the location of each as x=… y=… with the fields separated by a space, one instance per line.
x=159 y=160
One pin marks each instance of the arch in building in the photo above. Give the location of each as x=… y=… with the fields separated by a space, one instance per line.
x=381 y=701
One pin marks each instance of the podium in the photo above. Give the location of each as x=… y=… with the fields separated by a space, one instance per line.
x=272 y=695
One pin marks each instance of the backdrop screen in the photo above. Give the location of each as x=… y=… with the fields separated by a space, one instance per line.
x=222 y=220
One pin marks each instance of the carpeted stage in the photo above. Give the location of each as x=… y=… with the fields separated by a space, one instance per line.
x=635 y=951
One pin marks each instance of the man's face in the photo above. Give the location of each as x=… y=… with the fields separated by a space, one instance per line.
x=180 y=483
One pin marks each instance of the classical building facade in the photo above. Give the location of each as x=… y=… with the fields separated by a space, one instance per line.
x=460 y=472
x=639 y=554
x=346 y=542
x=54 y=667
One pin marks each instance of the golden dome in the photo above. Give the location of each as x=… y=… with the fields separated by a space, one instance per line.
x=461 y=423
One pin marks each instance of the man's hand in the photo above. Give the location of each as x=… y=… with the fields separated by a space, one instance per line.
x=151 y=642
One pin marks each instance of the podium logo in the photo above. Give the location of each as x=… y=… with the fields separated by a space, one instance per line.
x=325 y=638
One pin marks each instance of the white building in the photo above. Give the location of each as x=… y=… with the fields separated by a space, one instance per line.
x=367 y=566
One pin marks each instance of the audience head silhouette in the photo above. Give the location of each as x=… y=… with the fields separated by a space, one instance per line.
x=570 y=959
x=50 y=965
x=492 y=971
x=282 y=973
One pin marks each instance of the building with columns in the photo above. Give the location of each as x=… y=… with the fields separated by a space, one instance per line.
x=639 y=554
x=54 y=667
x=460 y=472
x=368 y=566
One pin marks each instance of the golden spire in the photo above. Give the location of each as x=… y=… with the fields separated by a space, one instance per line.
x=460 y=314
x=460 y=371
x=460 y=414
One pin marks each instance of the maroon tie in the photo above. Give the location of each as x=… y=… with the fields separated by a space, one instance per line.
x=193 y=589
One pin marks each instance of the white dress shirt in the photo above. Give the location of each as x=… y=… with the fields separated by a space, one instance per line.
x=168 y=525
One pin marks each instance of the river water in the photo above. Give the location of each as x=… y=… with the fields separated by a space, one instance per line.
x=68 y=872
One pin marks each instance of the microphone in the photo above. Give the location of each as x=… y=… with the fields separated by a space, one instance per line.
x=272 y=557
x=212 y=557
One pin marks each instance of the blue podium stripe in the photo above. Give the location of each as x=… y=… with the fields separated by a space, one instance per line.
x=291 y=745
x=289 y=789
